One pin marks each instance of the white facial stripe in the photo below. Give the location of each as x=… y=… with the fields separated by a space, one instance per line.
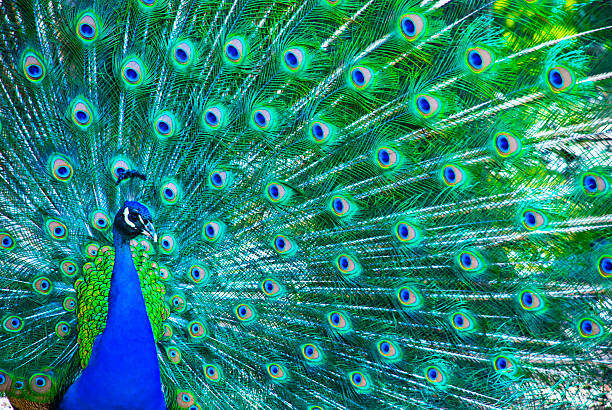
x=141 y=221
x=126 y=212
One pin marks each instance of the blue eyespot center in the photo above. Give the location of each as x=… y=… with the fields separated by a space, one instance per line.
x=403 y=231
x=217 y=179
x=590 y=183
x=475 y=59
x=335 y=318
x=34 y=70
x=424 y=105
x=458 y=319
x=274 y=191
x=232 y=52
x=2 y=379
x=338 y=205
x=131 y=74
x=606 y=265
x=59 y=231
x=274 y=369
x=269 y=286
x=309 y=351
x=530 y=218
x=408 y=26
x=86 y=30
x=210 y=231
x=344 y=262
x=15 y=322
x=186 y=398
x=211 y=371
x=291 y=59
x=384 y=157
x=280 y=243
x=555 y=78
x=450 y=175
x=503 y=143
x=163 y=127
x=527 y=299
x=63 y=171
x=242 y=310
x=502 y=363
x=586 y=326
x=165 y=243
x=169 y=193
x=405 y=295
x=385 y=347
x=6 y=241
x=432 y=373
x=317 y=130
x=40 y=381
x=260 y=119
x=358 y=77
x=196 y=273
x=181 y=55
x=466 y=259
x=357 y=378
x=82 y=116
x=211 y=118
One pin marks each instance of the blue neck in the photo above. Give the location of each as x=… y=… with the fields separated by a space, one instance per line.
x=123 y=369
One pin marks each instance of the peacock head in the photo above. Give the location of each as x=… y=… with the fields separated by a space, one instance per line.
x=134 y=219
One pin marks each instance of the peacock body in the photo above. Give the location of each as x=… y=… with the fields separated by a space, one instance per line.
x=357 y=204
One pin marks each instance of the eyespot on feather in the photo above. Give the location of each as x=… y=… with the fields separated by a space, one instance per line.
x=452 y=175
x=213 y=373
x=182 y=54
x=348 y=265
x=42 y=285
x=320 y=132
x=531 y=301
x=69 y=268
x=340 y=206
x=169 y=193
x=262 y=119
x=56 y=229
x=604 y=266
x=361 y=77
x=276 y=192
x=7 y=242
x=293 y=59
x=62 y=329
x=120 y=166
x=184 y=399
x=245 y=313
x=270 y=287
x=470 y=261
x=276 y=371
x=412 y=26
x=507 y=144
x=387 y=158
x=560 y=79
x=590 y=328
x=409 y=297
x=213 y=117
x=427 y=105
x=479 y=59
x=69 y=304
x=6 y=380
x=167 y=244
x=87 y=27
x=132 y=72
x=339 y=321
x=594 y=184
x=60 y=168
x=40 y=383
x=213 y=231
x=533 y=219
x=164 y=125
x=33 y=67
x=435 y=375
x=197 y=330
x=82 y=113
x=359 y=381
x=235 y=50
x=311 y=353
x=100 y=220
x=13 y=324
x=219 y=179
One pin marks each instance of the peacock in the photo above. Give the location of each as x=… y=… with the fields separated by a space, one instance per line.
x=306 y=204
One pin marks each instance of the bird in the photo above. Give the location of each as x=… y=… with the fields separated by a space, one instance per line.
x=306 y=204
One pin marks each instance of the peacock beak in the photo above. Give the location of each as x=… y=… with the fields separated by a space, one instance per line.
x=149 y=230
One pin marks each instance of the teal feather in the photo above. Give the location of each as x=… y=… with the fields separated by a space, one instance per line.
x=379 y=204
